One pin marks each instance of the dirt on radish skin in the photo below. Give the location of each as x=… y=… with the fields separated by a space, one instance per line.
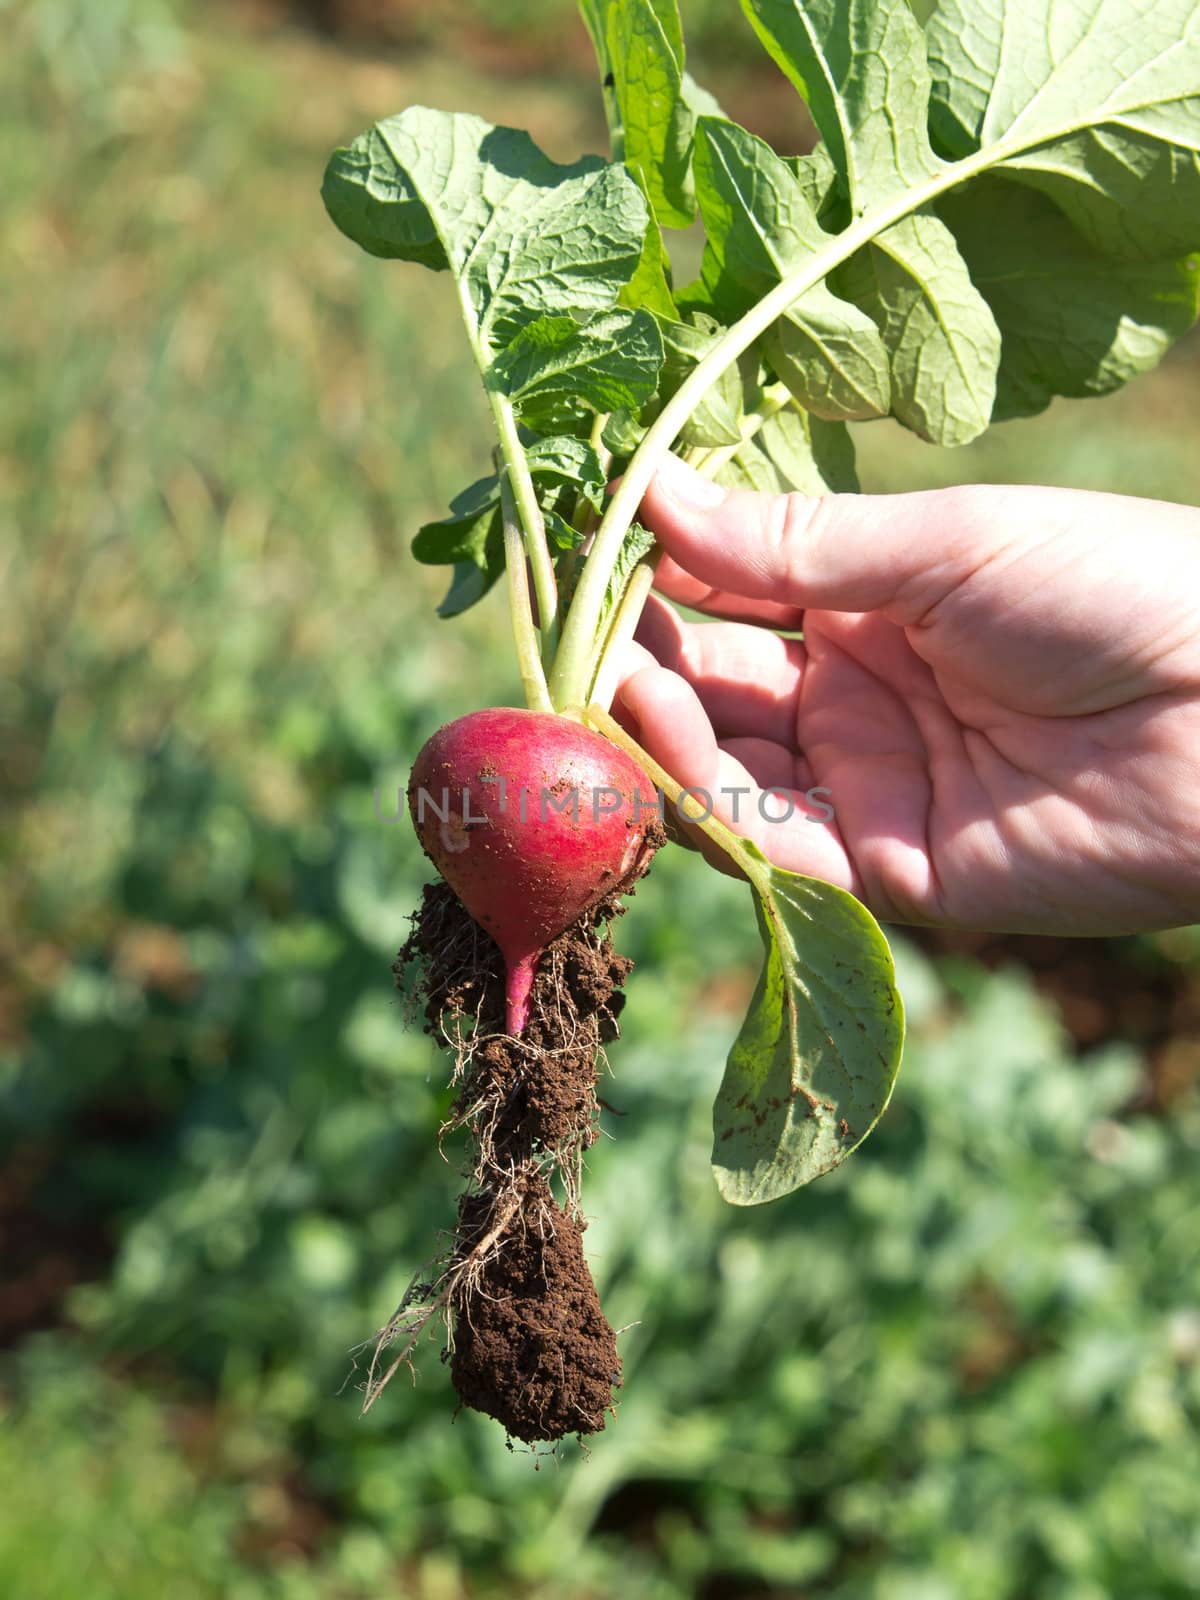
x=529 y=1342
x=531 y=818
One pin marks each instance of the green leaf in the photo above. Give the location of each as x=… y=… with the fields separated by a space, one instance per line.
x=555 y=462
x=794 y=451
x=536 y=250
x=638 y=542
x=470 y=583
x=698 y=100
x=524 y=237
x=1073 y=322
x=456 y=536
x=816 y=1059
x=760 y=227
x=818 y=180
x=1098 y=106
x=471 y=539
x=561 y=533
x=555 y=371
x=568 y=463
x=640 y=43
x=595 y=17
x=717 y=419
x=623 y=432
x=860 y=66
x=649 y=289
x=942 y=340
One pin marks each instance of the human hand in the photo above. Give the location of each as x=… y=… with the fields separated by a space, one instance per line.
x=999 y=687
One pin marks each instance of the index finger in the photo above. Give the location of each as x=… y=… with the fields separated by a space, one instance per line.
x=671 y=580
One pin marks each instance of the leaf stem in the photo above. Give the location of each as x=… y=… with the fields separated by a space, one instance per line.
x=603 y=666
x=775 y=399
x=567 y=678
x=596 y=440
x=517 y=475
x=529 y=660
x=747 y=856
x=622 y=629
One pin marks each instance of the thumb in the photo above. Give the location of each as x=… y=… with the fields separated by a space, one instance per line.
x=900 y=554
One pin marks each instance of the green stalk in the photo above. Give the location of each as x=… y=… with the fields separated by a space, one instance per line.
x=775 y=399
x=690 y=808
x=622 y=629
x=568 y=678
x=603 y=665
x=517 y=475
x=529 y=660
x=596 y=440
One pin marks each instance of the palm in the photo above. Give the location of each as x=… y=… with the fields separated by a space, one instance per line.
x=951 y=805
x=955 y=798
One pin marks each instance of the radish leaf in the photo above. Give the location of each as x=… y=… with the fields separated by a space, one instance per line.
x=471 y=538
x=638 y=543
x=650 y=286
x=524 y=237
x=640 y=44
x=564 y=461
x=794 y=451
x=942 y=339
x=1098 y=106
x=471 y=581
x=814 y=1064
x=861 y=67
x=717 y=419
x=555 y=371
x=759 y=226
x=1073 y=321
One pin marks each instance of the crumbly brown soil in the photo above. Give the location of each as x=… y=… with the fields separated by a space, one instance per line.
x=528 y=1342
x=532 y=1347
x=533 y=1095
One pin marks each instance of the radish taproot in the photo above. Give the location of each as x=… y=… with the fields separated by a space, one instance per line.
x=540 y=828
x=532 y=819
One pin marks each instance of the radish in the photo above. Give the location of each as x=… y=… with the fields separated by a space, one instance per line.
x=532 y=819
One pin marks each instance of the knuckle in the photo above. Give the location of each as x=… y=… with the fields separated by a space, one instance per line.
x=795 y=526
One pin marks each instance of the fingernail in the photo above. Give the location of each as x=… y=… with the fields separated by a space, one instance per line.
x=686 y=487
x=628 y=719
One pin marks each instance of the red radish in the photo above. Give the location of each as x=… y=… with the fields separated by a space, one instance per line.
x=531 y=818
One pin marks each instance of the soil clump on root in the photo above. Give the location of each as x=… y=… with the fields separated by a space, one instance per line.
x=536 y=1094
x=528 y=1342
x=532 y=1347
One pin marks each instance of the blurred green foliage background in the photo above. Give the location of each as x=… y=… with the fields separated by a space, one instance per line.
x=967 y=1365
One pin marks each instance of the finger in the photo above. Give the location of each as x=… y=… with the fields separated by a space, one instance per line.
x=675 y=731
x=631 y=658
x=671 y=580
x=678 y=585
x=675 y=728
x=898 y=553
x=879 y=756
x=748 y=679
x=669 y=723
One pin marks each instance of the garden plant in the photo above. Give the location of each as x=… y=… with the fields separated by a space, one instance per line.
x=1001 y=209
